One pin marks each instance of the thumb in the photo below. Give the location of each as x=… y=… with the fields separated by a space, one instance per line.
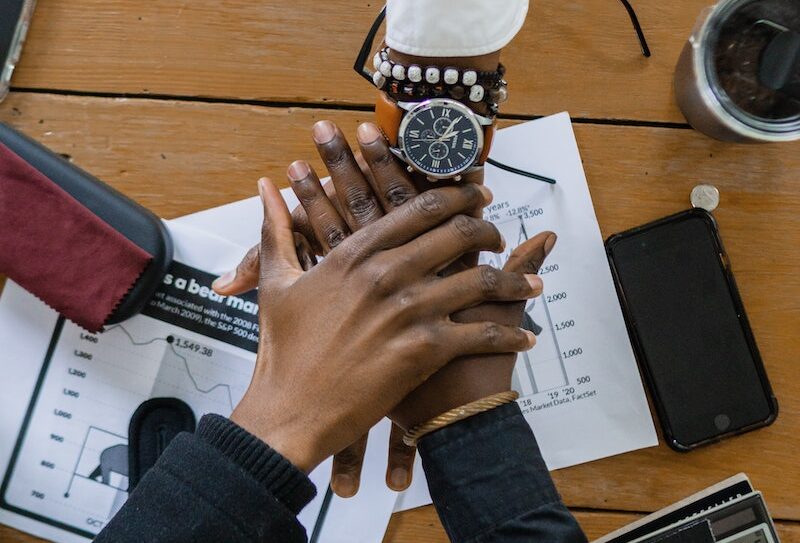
x=243 y=278
x=279 y=264
x=529 y=257
x=246 y=275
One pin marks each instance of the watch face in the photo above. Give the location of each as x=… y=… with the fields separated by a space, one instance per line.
x=441 y=138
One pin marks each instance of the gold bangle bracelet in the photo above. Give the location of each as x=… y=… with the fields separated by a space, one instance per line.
x=447 y=418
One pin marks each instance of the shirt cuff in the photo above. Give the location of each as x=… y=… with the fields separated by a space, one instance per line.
x=485 y=471
x=267 y=466
x=452 y=28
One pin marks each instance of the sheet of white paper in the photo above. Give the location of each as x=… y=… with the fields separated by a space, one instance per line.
x=92 y=384
x=580 y=386
x=238 y=222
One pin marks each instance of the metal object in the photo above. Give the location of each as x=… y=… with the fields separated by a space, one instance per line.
x=416 y=109
x=705 y=197
x=719 y=85
x=15 y=18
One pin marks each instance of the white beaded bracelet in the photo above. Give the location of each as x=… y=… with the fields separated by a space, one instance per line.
x=460 y=85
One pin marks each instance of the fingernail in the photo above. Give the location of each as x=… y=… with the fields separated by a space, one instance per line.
x=549 y=242
x=260 y=184
x=535 y=282
x=531 y=338
x=224 y=280
x=487 y=194
x=344 y=485
x=323 y=132
x=298 y=170
x=399 y=478
x=368 y=133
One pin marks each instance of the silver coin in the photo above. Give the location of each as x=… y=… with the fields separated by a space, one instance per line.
x=706 y=197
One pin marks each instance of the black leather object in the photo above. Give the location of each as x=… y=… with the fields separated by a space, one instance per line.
x=154 y=424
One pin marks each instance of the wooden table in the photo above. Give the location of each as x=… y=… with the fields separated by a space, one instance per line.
x=183 y=105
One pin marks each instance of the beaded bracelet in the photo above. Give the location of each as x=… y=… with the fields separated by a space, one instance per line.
x=447 y=418
x=415 y=81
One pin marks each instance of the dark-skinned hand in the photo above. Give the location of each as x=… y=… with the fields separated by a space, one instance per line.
x=318 y=344
x=364 y=188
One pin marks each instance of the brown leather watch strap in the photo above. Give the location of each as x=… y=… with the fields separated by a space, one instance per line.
x=388 y=116
x=488 y=136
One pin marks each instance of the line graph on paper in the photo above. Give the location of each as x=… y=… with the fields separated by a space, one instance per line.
x=72 y=463
x=543 y=368
x=176 y=360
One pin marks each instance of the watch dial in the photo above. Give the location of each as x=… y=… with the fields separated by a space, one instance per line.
x=440 y=139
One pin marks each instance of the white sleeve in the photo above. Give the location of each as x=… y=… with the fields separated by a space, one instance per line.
x=452 y=28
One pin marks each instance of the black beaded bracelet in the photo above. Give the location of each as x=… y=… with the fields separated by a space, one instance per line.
x=418 y=82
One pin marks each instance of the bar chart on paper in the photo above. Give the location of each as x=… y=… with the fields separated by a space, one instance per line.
x=541 y=369
x=581 y=378
x=579 y=386
x=70 y=465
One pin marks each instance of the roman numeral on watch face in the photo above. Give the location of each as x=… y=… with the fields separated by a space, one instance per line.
x=444 y=140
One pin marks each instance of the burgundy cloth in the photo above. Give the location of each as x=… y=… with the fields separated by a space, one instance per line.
x=60 y=251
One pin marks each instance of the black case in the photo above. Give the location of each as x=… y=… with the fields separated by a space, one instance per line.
x=153 y=426
x=130 y=219
x=737 y=301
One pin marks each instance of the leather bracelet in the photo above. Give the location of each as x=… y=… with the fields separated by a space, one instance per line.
x=447 y=418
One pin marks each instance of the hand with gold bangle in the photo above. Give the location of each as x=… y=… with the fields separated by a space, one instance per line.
x=457 y=414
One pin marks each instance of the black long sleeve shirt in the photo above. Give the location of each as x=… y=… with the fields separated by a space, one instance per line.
x=486 y=477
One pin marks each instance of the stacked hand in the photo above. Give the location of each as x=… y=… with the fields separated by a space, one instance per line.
x=375 y=194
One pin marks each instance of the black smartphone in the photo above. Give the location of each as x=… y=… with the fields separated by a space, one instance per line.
x=689 y=330
x=14 y=19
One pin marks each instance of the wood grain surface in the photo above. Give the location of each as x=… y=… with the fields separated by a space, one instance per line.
x=183 y=105
x=575 y=55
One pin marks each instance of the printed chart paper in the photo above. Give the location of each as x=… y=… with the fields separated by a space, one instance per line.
x=65 y=469
x=579 y=386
